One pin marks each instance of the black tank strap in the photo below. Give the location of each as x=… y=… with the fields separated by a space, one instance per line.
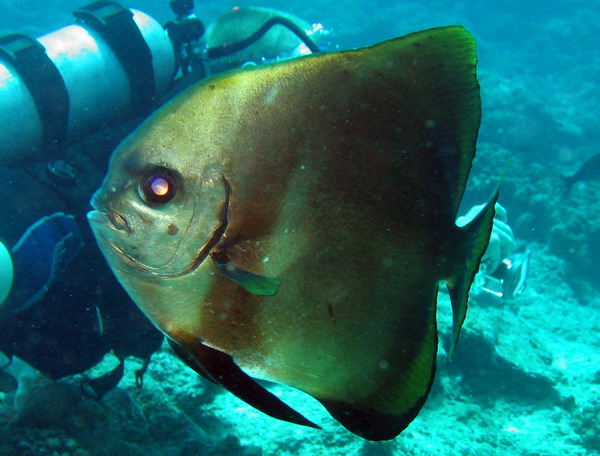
x=116 y=26
x=44 y=82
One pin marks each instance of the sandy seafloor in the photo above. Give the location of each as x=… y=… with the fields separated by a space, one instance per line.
x=526 y=376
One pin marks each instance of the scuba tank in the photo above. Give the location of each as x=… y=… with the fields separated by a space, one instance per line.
x=110 y=64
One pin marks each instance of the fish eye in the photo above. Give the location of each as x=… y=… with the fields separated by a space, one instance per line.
x=158 y=187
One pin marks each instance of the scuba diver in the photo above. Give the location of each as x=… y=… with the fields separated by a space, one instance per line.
x=61 y=309
x=503 y=271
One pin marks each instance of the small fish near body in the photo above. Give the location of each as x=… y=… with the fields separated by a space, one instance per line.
x=292 y=222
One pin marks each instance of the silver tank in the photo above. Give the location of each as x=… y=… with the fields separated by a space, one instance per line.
x=97 y=85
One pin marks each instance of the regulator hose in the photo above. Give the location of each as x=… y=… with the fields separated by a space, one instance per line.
x=232 y=48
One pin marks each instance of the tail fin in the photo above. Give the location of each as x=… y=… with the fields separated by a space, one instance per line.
x=477 y=236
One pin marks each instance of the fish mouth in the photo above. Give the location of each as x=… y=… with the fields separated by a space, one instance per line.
x=105 y=217
x=117 y=222
x=98 y=217
x=113 y=220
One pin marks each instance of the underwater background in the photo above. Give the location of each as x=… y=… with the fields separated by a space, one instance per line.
x=526 y=376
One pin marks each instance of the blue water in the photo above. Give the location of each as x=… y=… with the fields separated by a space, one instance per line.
x=526 y=378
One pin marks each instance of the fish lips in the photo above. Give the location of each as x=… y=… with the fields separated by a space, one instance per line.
x=109 y=228
x=113 y=219
x=106 y=217
x=97 y=217
x=105 y=224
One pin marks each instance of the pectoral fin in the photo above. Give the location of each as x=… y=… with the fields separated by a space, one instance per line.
x=253 y=283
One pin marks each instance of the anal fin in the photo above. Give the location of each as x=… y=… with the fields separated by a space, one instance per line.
x=220 y=368
x=369 y=424
x=400 y=399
